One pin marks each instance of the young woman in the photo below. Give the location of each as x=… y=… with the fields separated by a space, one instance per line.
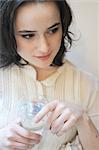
x=35 y=36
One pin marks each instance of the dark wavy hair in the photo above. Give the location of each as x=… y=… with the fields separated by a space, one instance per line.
x=8 y=50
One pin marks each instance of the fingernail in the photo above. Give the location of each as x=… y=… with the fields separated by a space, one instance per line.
x=36 y=120
x=53 y=131
x=59 y=133
x=48 y=127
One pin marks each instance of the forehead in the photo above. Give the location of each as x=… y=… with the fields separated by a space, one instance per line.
x=35 y=14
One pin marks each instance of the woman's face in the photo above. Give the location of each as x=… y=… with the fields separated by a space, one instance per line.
x=38 y=33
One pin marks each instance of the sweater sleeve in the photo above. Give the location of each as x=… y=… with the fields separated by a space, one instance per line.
x=94 y=110
x=89 y=95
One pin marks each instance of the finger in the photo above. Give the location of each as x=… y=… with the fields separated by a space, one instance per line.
x=60 y=121
x=68 y=125
x=55 y=115
x=16 y=145
x=48 y=108
x=55 y=131
x=25 y=133
x=20 y=139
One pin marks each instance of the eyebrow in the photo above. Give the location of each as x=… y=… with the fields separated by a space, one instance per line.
x=29 y=31
x=56 y=24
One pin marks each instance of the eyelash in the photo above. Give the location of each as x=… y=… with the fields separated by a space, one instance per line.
x=29 y=36
x=52 y=31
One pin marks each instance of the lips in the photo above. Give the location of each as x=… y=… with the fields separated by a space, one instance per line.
x=44 y=57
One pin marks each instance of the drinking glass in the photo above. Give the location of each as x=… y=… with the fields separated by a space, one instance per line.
x=28 y=110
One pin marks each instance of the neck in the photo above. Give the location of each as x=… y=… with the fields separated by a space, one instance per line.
x=43 y=74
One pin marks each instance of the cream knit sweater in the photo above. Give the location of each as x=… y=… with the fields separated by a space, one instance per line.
x=67 y=84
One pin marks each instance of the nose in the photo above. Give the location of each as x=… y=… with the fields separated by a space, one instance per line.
x=43 y=45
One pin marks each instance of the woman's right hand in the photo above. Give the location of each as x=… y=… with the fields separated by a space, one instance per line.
x=15 y=137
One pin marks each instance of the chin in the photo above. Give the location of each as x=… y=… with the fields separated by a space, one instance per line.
x=43 y=65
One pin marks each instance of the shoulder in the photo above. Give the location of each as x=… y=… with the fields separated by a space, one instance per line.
x=9 y=69
x=68 y=65
x=68 y=68
x=8 y=73
x=83 y=77
x=86 y=85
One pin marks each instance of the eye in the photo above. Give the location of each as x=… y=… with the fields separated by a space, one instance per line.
x=27 y=36
x=54 y=30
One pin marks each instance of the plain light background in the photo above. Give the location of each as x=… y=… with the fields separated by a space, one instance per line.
x=85 y=51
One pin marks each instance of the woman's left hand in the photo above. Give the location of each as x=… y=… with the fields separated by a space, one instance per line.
x=61 y=116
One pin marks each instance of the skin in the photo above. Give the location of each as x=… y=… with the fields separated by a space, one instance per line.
x=44 y=38
x=15 y=137
x=63 y=116
x=32 y=46
x=40 y=45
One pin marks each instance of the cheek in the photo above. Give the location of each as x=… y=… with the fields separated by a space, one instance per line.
x=22 y=46
x=57 y=42
x=59 y=38
x=19 y=44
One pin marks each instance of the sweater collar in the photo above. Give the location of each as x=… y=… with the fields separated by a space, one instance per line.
x=50 y=81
